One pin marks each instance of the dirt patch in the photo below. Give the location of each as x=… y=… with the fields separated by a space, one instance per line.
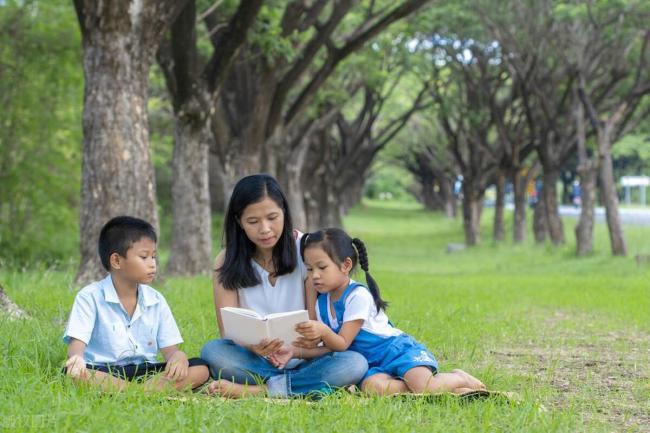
x=602 y=375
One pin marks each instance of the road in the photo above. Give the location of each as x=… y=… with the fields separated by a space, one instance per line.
x=636 y=216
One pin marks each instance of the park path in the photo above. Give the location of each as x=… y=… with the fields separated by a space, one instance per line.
x=635 y=216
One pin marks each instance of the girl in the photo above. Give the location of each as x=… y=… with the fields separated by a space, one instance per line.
x=261 y=269
x=351 y=316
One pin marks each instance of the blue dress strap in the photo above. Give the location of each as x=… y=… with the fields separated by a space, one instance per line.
x=339 y=306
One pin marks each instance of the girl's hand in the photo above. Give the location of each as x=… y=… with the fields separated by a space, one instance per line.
x=311 y=329
x=280 y=358
x=307 y=343
x=177 y=366
x=76 y=367
x=266 y=347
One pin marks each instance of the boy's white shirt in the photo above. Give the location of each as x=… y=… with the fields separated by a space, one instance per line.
x=360 y=305
x=99 y=320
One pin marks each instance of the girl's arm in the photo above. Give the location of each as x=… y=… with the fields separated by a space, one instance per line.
x=333 y=341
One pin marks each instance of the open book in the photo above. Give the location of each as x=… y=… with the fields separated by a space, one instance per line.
x=245 y=326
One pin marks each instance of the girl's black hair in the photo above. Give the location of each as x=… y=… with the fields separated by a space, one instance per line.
x=237 y=271
x=339 y=246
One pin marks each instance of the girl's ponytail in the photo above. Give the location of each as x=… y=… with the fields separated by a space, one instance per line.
x=372 y=285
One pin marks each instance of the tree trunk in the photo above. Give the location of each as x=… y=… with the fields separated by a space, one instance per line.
x=191 y=247
x=296 y=197
x=585 y=228
x=540 y=226
x=9 y=308
x=472 y=206
x=119 y=43
x=519 y=224
x=499 y=230
x=549 y=194
x=447 y=192
x=217 y=202
x=610 y=200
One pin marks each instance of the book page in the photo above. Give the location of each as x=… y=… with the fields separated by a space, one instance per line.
x=243 y=312
x=281 y=325
x=243 y=329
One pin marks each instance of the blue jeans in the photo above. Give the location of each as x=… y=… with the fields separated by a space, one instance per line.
x=230 y=361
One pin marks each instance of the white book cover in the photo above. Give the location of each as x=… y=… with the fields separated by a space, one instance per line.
x=246 y=327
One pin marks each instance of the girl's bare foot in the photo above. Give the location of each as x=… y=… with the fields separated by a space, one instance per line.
x=229 y=389
x=470 y=380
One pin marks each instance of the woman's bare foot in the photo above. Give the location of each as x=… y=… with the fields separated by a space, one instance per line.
x=470 y=380
x=229 y=389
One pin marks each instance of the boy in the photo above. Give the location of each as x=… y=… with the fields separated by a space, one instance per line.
x=118 y=324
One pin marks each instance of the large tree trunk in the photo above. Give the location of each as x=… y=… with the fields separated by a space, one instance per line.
x=585 y=228
x=9 y=308
x=498 y=229
x=549 y=194
x=610 y=200
x=191 y=247
x=519 y=224
x=119 y=43
x=472 y=207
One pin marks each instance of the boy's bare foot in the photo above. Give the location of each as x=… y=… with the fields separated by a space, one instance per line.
x=228 y=389
x=470 y=380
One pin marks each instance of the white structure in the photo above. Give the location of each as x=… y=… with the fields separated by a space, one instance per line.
x=631 y=181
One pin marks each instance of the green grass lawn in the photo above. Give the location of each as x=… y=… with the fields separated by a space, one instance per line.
x=570 y=335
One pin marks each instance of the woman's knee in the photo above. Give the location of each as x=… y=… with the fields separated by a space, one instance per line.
x=216 y=352
x=354 y=364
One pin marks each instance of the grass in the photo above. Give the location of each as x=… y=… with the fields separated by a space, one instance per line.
x=570 y=335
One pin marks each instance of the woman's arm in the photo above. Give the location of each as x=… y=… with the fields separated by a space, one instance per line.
x=229 y=298
x=222 y=296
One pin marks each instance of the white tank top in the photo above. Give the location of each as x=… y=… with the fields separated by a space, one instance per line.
x=288 y=294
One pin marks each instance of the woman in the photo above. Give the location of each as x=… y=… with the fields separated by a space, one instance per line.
x=261 y=269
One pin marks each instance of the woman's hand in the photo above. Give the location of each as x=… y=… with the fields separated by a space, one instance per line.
x=312 y=329
x=307 y=343
x=280 y=358
x=266 y=347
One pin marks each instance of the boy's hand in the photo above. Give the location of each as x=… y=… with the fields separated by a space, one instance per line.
x=177 y=366
x=76 y=367
x=266 y=347
x=280 y=358
x=312 y=329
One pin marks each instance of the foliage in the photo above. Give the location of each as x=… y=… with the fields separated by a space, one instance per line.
x=41 y=88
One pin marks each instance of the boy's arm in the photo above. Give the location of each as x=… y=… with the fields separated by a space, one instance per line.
x=76 y=365
x=177 y=363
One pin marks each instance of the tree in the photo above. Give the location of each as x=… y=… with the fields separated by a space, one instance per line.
x=193 y=88
x=40 y=90
x=9 y=308
x=120 y=40
x=427 y=157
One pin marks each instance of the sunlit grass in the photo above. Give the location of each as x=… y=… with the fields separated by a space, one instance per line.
x=570 y=335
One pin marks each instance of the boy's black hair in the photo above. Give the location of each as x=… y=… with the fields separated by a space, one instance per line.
x=237 y=271
x=119 y=234
x=338 y=246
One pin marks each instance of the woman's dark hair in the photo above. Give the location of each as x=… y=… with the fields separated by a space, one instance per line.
x=237 y=271
x=339 y=246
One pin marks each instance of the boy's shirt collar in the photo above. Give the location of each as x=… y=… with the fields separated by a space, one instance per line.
x=144 y=293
